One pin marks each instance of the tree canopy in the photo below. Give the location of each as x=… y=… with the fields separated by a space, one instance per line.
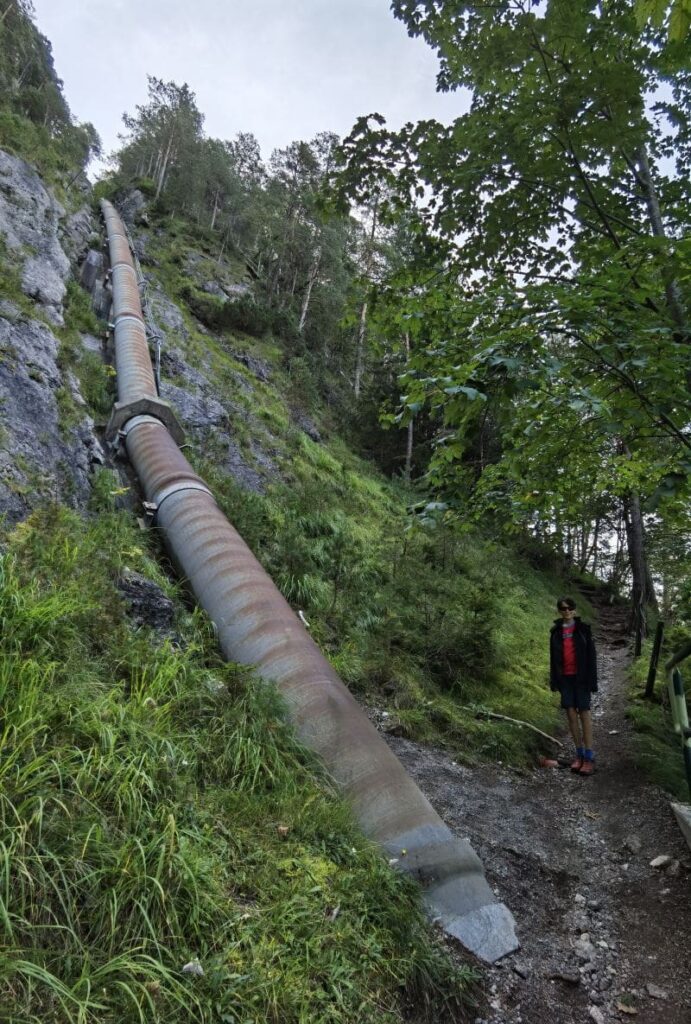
x=549 y=309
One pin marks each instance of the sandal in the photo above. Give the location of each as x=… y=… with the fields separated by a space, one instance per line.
x=587 y=768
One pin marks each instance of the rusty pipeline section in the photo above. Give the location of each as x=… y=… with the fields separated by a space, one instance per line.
x=257 y=627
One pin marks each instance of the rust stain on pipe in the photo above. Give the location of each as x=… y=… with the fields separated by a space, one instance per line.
x=257 y=627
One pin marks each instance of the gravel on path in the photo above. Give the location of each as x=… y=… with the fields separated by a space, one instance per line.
x=604 y=935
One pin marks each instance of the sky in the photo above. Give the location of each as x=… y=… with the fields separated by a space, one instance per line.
x=282 y=69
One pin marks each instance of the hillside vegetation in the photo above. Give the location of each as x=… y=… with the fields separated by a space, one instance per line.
x=416 y=613
x=155 y=812
x=389 y=431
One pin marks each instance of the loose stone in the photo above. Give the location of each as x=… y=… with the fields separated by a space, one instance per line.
x=655 y=992
x=569 y=977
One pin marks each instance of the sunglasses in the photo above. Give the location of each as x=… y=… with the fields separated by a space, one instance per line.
x=564 y=608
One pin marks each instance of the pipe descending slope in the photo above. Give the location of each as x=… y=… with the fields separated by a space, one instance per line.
x=257 y=627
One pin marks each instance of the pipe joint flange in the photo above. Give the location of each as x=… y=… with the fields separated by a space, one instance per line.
x=151 y=507
x=147 y=405
x=181 y=485
x=122 y=317
x=136 y=421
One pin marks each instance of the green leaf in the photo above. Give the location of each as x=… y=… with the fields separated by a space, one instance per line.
x=471 y=393
x=679 y=21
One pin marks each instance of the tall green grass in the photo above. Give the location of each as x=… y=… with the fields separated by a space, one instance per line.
x=155 y=812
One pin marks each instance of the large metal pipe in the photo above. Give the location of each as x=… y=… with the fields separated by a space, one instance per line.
x=257 y=627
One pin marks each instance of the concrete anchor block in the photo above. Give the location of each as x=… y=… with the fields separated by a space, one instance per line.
x=488 y=931
x=148 y=405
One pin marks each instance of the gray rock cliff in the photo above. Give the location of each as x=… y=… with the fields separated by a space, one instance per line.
x=44 y=454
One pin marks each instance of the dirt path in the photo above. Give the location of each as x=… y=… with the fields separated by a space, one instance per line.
x=599 y=927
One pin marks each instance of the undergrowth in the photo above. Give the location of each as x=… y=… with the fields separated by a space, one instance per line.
x=657 y=747
x=416 y=615
x=432 y=622
x=155 y=812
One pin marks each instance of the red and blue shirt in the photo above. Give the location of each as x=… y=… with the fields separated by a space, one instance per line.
x=570 y=664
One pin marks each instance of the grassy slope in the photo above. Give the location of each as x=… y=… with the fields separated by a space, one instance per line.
x=143 y=785
x=424 y=620
x=154 y=809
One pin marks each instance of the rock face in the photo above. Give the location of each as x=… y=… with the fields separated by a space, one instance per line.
x=77 y=231
x=132 y=207
x=48 y=447
x=29 y=221
x=206 y=409
x=39 y=459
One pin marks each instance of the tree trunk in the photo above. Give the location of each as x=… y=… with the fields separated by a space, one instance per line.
x=622 y=556
x=164 y=168
x=214 y=215
x=409 y=452
x=157 y=164
x=314 y=273
x=224 y=242
x=594 y=549
x=672 y=291
x=360 y=357
x=635 y=536
x=369 y=259
x=650 y=595
x=409 y=440
x=569 y=547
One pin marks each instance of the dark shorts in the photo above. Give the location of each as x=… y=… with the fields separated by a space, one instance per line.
x=574 y=694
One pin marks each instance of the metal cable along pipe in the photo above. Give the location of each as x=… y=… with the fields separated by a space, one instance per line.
x=257 y=627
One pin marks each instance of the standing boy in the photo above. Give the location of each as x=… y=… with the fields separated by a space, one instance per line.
x=573 y=672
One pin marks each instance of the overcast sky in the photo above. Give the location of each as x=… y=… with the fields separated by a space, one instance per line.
x=282 y=69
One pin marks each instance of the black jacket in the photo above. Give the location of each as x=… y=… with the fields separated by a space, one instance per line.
x=585 y=655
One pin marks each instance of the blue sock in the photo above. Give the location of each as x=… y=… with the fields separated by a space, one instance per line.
x=589 y=755
x=580 y=751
